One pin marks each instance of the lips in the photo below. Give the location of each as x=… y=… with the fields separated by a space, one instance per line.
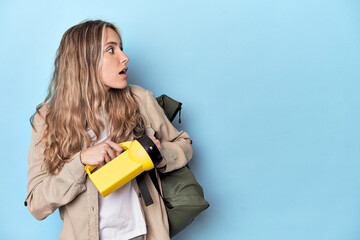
x=123 y=71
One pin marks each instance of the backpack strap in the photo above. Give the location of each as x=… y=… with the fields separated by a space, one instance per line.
x=171 y=109
x=152 y=174
x=144 y=190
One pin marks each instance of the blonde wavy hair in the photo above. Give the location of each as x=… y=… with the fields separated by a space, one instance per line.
x=76 y=97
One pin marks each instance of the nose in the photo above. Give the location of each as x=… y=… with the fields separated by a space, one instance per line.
x=124 y=58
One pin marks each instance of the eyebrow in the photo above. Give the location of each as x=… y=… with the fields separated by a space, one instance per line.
x=114 y=43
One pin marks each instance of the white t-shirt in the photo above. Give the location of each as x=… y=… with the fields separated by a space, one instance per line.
x=120 y=215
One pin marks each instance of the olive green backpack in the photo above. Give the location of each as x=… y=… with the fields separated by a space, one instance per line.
x=182 y=194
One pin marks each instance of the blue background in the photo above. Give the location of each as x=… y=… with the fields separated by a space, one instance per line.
x=270 y=93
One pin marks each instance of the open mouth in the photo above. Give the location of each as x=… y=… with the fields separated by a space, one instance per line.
x=123 y=71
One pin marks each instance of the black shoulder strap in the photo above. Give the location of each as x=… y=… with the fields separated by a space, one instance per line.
x=144 y=190
x=171 y=108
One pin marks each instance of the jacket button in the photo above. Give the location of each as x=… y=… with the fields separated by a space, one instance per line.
x=139 y=194
x=25 y=203
x=92 y=208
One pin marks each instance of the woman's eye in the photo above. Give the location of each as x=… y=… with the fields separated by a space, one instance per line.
x=110 y=50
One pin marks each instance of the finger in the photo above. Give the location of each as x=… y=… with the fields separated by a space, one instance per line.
x=101 y=163
x=159 y=146
x=107 y=159
x=110 y=153
x=156 y=142
x=114 y=146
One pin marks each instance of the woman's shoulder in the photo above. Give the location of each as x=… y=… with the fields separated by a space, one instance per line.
x=38 y=119
x=146 y=99
x=141 y=92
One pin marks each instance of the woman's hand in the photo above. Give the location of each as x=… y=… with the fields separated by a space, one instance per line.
x=100 y=154
x=157 y=143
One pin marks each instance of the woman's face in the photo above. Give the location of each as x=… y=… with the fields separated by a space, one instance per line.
x=113 y=68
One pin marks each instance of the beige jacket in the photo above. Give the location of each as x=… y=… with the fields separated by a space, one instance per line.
x=75 y=195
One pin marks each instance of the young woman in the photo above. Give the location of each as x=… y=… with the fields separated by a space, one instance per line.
x=89 y=109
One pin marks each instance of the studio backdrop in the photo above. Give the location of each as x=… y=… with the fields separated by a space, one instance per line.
x=270 y=93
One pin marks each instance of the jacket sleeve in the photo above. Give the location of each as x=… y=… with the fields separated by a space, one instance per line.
x=48 y=192
x=176 y=146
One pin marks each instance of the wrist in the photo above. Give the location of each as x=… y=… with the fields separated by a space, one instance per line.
x=80 y=157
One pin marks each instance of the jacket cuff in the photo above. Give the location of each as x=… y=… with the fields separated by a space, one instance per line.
x=171 y=159
x=76 y=169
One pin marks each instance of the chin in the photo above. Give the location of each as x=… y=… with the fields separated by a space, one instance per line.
x=121 y=86
x=116 y=85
